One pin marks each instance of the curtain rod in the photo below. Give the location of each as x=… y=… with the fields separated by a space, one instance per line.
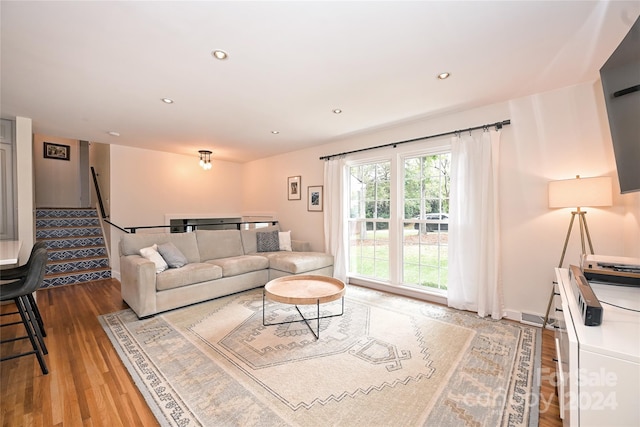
x=498 y=125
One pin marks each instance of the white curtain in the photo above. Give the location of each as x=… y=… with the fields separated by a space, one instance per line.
x=335 y=228
x=474 y=233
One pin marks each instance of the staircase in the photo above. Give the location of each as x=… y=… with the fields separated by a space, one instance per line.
x=75 y=244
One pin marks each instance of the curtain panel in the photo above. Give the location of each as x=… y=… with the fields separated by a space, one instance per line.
x=335 y=218
x=475 y=282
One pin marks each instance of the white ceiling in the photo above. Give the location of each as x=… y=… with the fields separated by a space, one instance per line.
x=82 y=69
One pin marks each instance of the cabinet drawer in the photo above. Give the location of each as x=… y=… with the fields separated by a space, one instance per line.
x=560 y=379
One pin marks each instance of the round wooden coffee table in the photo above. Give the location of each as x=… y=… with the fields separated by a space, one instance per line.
x=304 y=290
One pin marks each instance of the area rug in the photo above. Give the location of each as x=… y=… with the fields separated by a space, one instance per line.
x=388 y=360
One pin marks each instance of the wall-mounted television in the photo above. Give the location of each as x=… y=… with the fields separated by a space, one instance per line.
x=620 y=77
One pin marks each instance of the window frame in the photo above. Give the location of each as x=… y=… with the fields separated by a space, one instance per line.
x=397 y=157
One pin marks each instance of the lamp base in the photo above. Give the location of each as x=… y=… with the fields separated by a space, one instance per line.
x=584 y=230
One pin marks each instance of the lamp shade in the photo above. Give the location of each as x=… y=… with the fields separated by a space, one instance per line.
x=580 y=192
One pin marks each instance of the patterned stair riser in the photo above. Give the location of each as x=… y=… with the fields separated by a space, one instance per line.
x=60 y=233
x=73 y=266
x=71 y=279
x=67 y=222
x=66 y=213
x=77 y=252
x=74 y=253
x=74 y=243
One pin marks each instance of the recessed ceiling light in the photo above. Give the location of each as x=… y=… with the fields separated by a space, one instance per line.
x=167 y=100
x=275 y=132
x=443 y=76
x=220 y=54
x=337 y=111
x=114 y=133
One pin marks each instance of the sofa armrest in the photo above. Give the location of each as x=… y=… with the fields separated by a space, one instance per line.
x=300 y=246
x=138 y=284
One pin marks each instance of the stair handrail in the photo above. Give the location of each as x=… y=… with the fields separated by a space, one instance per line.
x=132 y=230
x=194 y=227
x=116 y=226
x=95 y=183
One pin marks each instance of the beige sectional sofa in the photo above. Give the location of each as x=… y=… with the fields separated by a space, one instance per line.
x=216 y=263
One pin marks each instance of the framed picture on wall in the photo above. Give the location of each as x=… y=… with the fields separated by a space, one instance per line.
x=56 y=151
x=315 y=198
x=294 y=188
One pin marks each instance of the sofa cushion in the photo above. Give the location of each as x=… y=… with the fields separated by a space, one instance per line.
x=214 y=244
x=284 y=238
x=187 y=275
x=130 y=244
x=172 y=255
x=234 y=266
x=299 y=262
x=151 y=253
x=267 y=241
x=249 y=239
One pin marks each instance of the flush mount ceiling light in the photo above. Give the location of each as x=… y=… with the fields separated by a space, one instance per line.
x=205 y=159
x=275 y=132
x=443 y=76
x=337 y=111
x=167 y=100
x=220 y=54
x=114 y=133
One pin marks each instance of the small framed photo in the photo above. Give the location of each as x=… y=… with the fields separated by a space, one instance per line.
x=294 y=188
x=315 y=198
x=56 y=151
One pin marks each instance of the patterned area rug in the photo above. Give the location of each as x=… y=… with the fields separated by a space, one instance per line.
x=388 y=360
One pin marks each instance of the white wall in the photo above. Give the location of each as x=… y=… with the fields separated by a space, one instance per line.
x=147 y=185
x=554 y=135
x=265 y=190
x=24 y=184
x=100 y=160
x=57 y=182
x=557 y=135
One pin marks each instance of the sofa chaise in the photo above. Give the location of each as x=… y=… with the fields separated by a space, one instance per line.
x=208 y=264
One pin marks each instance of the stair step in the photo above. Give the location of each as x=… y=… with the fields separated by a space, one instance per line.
x=67 y=266
x=75 y=278
x=72 y=253
x=76 y=247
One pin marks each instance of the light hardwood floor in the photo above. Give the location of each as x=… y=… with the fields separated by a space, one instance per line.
x=88 y=384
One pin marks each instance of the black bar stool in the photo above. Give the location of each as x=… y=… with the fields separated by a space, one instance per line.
x=20 y=272
x=19 y=291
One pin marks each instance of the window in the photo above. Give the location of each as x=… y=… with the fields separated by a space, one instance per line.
x=369 y=214
x=426 y=221
x=399 y=220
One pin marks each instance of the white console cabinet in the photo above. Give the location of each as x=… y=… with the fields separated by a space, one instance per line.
x=598 y=367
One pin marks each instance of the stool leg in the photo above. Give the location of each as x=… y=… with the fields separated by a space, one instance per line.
x=36 y=311
x=35 y=325
x=43 y=365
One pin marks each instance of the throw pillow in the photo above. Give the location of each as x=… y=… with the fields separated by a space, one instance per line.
x=268 y=241
x=284 y=238
x=172 y=255
x=151 y=253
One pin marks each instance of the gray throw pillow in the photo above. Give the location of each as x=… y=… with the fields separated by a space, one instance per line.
x=172 y=255
x=268 y=241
